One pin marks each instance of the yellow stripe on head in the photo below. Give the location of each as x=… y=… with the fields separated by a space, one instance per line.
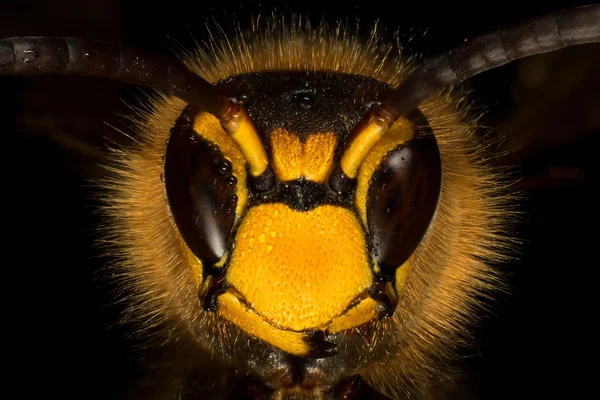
x=311 y=160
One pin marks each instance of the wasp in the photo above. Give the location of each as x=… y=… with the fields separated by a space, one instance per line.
x=308 y=216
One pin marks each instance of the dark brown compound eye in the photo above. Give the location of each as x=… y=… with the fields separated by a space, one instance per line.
x=402 y=198
x=200 y=189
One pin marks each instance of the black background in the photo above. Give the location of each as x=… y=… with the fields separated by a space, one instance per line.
x=61 y=338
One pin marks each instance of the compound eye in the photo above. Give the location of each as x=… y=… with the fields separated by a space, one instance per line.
x=402 y=199
x=200 y=189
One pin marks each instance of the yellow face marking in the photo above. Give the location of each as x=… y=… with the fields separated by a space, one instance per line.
x=399 y=133
x=193 y=261
x=299 y=270
x=362 y=313
x=234 y=311
x=402 y=273
x=312 y=160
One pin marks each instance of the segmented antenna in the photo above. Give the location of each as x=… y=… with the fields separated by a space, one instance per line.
x=74 y=56
x=551 y=32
